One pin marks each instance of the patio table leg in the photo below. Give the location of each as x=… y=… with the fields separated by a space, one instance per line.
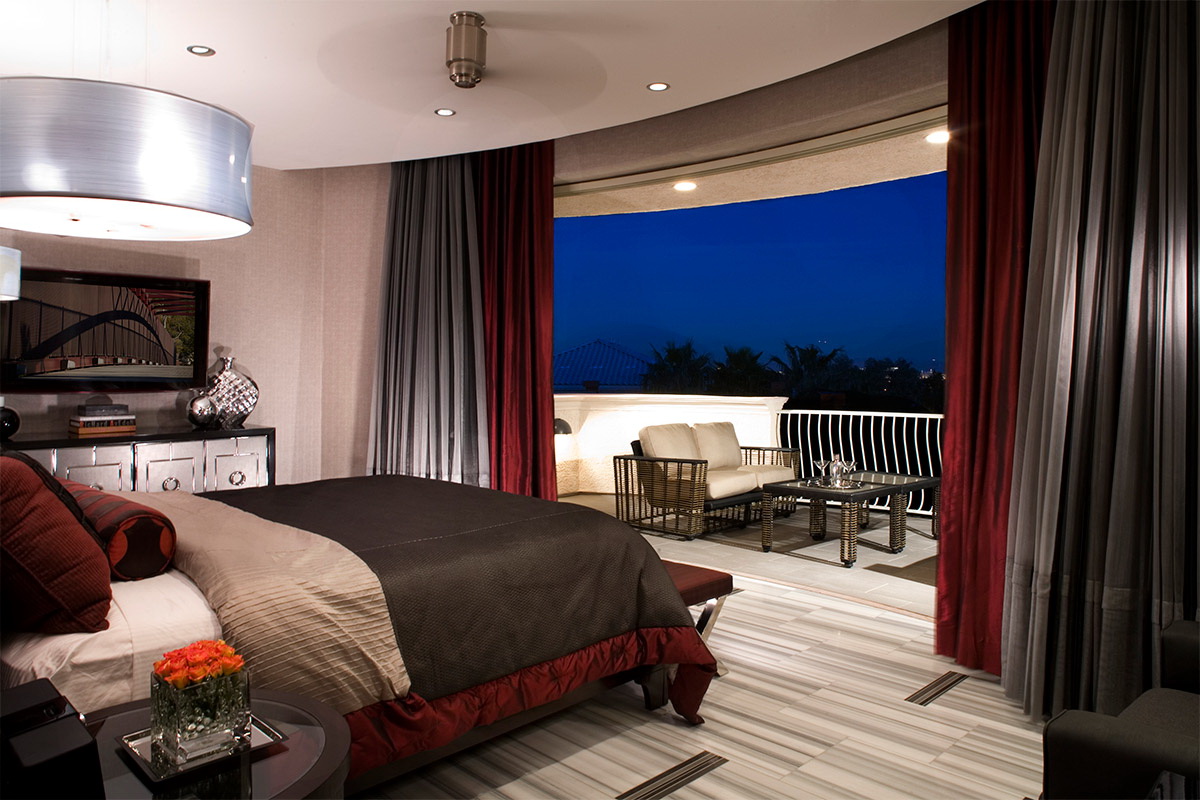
x=936 y=527
x=816 y=519
x=768 y=521
x=864 y=515
x=849 y=532
x=898 y=522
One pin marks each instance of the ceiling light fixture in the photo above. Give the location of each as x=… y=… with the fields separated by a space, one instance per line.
x=202 y=50
x=445 y=112
x=111 y=161
x=685 y=186
x=938 y=137
x=658 y=87
x=466 y=48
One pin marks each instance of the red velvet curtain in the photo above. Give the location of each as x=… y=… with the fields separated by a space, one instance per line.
x=998 y=53
x=516 y=243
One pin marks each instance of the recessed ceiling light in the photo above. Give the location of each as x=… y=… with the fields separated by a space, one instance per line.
x=445 y=112
x=684 y=186
x=938 y=137
x=202 y=50
x=658 y=86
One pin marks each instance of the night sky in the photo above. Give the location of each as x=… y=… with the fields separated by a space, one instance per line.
x=862 y=269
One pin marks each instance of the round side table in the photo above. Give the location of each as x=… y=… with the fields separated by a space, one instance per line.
x=312 y=762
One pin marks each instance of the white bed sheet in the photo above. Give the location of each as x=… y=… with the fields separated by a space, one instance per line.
x=96 y=670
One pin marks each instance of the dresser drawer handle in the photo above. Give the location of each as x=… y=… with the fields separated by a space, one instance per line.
x=237 y=477
x=170 y=484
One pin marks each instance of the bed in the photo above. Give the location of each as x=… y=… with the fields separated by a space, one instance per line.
x=429 y=614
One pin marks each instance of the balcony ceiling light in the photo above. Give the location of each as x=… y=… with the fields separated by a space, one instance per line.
x=445 y=112
x=202 y=50
x=685 y=186
x=111 y=161
x=658 y=86
x=938 y=137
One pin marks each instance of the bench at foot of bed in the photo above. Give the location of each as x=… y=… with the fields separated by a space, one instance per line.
x=698 y=585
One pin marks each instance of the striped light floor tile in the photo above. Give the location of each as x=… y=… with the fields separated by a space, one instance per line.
x=813 y=707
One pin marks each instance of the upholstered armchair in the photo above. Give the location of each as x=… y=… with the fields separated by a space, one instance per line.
x=1090 y=755
x=687 y=480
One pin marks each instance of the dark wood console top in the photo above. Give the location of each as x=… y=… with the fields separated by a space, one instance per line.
x=184 y=433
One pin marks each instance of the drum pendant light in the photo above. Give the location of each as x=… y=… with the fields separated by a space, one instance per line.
x=113 y=161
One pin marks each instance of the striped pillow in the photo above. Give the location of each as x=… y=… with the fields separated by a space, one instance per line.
x=139 y=541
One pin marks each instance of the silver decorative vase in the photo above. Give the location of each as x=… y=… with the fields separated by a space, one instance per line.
x=233 y=393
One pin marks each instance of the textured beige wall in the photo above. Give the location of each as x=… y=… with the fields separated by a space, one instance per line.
x=272 y=291
x=355 y=206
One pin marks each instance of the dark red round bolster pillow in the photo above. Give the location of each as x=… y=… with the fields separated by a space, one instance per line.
x=139 y=540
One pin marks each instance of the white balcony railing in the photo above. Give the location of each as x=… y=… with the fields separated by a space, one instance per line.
x=909 y=444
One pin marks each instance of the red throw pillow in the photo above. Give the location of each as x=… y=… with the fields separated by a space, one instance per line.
x=53 y=574
x=52 y=483
x=139 y=541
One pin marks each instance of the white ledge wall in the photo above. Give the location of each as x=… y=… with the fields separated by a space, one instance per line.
x=603 y=425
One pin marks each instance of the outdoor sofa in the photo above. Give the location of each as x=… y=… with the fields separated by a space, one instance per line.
x=689 y=480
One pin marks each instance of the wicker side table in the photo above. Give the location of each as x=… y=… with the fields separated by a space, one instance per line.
x=869 y=485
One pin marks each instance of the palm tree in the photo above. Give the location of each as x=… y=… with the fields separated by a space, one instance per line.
x=742 y=374
x=679 y=369
x=896 y=379
x=808 y=369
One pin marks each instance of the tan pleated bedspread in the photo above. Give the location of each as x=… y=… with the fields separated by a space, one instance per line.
x=307 y=614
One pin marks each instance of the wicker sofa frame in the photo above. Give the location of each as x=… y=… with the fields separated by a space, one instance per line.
x=666 y=496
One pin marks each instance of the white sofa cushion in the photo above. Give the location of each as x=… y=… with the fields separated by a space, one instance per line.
x=769 y=473
x=669 y=441
x=728 y=482
x=718 y=444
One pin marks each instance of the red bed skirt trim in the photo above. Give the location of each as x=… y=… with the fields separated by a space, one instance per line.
x=393 y=729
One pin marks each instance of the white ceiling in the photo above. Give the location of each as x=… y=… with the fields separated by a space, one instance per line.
x=884 y=152
x=341 y=82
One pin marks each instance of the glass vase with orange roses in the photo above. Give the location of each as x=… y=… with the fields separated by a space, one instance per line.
x=199 y=703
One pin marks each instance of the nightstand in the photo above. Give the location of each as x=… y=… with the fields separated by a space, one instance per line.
x=312 y=762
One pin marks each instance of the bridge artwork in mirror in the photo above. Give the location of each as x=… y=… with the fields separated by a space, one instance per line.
x=93 y=332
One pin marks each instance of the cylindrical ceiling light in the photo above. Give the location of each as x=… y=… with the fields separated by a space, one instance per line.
x=111 y=161
x=466 y=48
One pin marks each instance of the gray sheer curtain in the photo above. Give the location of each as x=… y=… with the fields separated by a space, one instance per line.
x=1103 y=526
x=429 y=414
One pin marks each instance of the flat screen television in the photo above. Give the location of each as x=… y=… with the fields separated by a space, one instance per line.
x=95 y=332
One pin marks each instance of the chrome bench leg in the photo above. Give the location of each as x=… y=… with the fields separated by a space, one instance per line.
x=708 y=620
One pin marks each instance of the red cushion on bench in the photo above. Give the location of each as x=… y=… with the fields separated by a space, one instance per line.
x=698 y=584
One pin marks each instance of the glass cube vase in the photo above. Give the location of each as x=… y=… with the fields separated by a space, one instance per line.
x=201 y=720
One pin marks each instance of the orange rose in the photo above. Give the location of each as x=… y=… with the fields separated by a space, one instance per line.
x=197 y=662
x=231 y=664
x=179 y=679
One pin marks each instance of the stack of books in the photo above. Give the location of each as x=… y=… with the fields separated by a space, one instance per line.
x=102 y=420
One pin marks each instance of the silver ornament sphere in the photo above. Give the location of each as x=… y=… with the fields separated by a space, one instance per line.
x=202 y=411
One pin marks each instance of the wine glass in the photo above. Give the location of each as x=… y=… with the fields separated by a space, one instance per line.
x=821 y=464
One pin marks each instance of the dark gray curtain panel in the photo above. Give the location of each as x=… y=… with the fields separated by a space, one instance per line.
x=429 y=412
x=1103 y=523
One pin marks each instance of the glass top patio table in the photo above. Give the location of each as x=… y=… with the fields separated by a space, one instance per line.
x=861 y=487
x=865 y=486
